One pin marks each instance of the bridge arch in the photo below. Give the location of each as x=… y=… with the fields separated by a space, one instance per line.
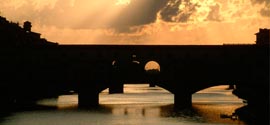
x=201 y=87
x=152 y=71
x=152 y=66
x=138 y=92
x=215 y=94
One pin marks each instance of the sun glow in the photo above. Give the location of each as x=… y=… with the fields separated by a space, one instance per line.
x=152 y=65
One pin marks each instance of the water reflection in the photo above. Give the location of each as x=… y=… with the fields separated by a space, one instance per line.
x=139 y=105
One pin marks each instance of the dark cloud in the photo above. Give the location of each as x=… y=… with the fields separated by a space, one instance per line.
x=265 y=11
x=172 y=13
x=141 y=12
x=214 y=15
x=171 y=10
x=138 y=12
x=259 y=1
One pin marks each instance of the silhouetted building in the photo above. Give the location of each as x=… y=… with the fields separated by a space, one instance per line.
x=262 y=37
x=12 y=35
x=27 y=26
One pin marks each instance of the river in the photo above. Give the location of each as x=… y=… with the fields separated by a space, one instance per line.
x=139 y=105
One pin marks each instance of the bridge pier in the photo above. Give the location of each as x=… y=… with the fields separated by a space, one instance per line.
x=182 y=100
x=88 y=98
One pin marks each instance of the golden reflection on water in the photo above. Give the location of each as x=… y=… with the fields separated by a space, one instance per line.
x=144 y=110
x=141 y=104
x=211 y=113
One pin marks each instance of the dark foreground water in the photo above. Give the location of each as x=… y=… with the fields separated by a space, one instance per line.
x=140 y=105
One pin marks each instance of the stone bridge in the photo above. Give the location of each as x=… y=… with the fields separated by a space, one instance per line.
x=28 y=74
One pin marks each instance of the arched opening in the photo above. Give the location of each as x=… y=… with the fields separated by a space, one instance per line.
x=137 y=94
x=137 y=100
x=221 y=94
x=152 y=67
x=217 y=103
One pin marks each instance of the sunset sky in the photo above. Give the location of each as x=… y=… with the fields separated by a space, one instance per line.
x=142 y=21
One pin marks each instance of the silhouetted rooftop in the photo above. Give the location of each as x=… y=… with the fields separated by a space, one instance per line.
x=262 y=37
x=12 y=35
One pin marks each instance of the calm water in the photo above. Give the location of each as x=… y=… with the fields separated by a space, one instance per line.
x=140 y=105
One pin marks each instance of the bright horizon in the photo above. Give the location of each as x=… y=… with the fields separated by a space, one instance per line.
x=170 y=22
